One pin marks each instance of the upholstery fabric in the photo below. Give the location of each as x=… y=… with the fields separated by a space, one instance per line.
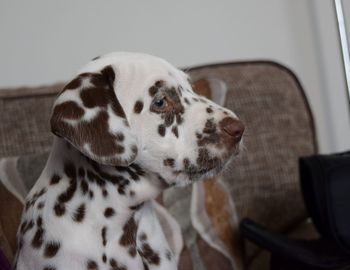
x=24 y=118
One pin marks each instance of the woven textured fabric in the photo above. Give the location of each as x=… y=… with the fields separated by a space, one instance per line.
x=24 y=118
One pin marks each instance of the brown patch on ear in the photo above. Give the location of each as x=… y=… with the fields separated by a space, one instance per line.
x=69 y=110
x=95 y=90
x=202 y=87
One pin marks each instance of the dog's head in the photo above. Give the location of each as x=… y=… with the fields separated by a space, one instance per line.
x=125 y=107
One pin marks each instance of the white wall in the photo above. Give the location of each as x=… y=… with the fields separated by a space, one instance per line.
x=46 y=41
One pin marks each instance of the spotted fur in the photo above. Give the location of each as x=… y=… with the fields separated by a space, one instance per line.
x=126 y=127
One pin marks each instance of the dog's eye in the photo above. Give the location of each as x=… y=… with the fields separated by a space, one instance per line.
x=160 y=104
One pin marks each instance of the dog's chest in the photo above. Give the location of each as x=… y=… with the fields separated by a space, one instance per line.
x=67 y=225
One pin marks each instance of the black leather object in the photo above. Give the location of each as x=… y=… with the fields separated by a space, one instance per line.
x=325 y=182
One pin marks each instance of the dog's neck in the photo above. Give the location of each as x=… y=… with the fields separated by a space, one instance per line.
x=124 y=189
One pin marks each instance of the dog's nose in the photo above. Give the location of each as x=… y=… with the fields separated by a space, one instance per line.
x=232 y=127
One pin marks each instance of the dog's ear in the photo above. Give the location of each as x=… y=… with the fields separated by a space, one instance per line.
x=87 y=113
x=212 y=88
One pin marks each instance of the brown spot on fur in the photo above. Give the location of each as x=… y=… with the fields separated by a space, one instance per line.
x=84 y=187
x=143 y=237
x=169 y=118
x=119 y=136
x=91 y=265
x=51 y=249
x=23 y=226
x=69 y=110
x=39 y=221
x=204 y=163
x=93 y=177
x=137 y=169
x=179 y=119
x=132 y=251
x=159 y=83
x=55 y=179
x=41 y=192
x=175 y=131
x=212 y=138
x=40 y=205
x=138 y=106
x=136 y=207
x=210 y=126
x=74 y=84
x=153 y=90
x=104 y=258
x=169 y=162
x=161 y=130
x=210 y=135
x=103 y=234
x=128 y=238
x=68 y=194
x=26 y=226
x=109 y=212
x=79 y=213
x=59 y=209
x=148 y=254
x=115 y=265
x=34 y=198
x=94 y=97
x=209 y=110
x=101 y=177
x=38 y=238
x=204 y=160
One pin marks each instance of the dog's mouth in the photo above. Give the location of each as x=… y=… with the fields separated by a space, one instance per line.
x=206 y=172
x=206 y=166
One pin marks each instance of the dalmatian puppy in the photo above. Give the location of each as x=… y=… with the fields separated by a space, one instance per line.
x=126 y=127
